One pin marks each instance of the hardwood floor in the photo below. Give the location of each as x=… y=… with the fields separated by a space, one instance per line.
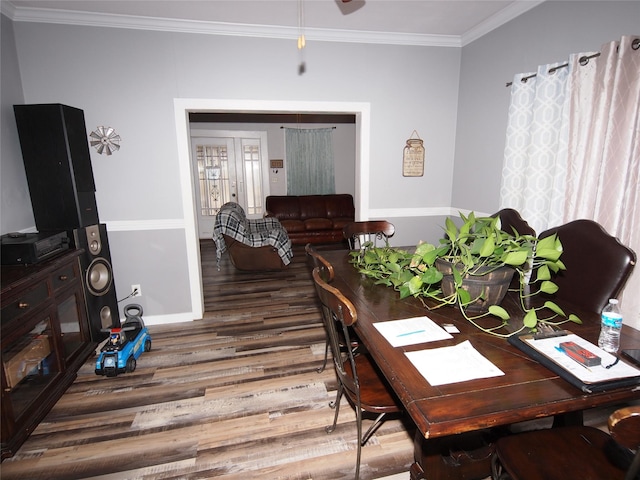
x=234 y=395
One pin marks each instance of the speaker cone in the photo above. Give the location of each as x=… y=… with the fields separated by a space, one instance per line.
x=94 y=240
x=99 y=277
x=106 y=317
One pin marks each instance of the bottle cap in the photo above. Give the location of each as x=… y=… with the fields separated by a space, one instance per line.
x=613 y=300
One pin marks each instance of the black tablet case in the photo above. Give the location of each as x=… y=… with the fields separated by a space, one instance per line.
x=602 y=386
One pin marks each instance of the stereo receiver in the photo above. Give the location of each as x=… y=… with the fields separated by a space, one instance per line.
x=30 y=248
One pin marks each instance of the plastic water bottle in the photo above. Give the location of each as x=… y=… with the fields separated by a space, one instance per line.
x=609 y=339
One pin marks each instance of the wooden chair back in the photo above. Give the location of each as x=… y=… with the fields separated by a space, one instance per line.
x=317 y=260
x=342 y=315
x=511 y=220
x=624 y=425
x=598 y=265
x=358 y=234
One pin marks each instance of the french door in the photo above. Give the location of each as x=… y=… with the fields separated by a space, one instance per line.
x=228 y=166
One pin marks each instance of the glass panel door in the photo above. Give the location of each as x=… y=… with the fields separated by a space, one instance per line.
x=228 y=166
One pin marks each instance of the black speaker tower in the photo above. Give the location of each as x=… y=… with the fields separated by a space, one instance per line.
x=55 y=150
x=56 y=157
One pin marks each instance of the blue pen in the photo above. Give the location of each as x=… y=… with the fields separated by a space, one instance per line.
x=410 y=333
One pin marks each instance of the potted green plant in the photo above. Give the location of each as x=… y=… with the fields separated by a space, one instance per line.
x=472 y=269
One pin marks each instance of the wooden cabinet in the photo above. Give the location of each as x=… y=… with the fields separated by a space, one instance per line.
x=45 y=339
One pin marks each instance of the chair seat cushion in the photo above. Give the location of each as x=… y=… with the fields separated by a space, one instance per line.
x=560 y=454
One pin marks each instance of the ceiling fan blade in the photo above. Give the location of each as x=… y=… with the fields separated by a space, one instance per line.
x=349 y=6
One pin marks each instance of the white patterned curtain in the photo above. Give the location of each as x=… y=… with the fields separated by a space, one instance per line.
x=309 y=157
x=535 y=159
x=573 y=148
x=603 y=179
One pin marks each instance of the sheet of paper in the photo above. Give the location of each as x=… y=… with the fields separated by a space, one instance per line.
x=410 y=331
x=598 y=373
x=459 y=363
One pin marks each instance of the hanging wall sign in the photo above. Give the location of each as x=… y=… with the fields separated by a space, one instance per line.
x=413 y=157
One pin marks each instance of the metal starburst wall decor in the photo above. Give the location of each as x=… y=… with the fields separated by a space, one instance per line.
x=105 y=140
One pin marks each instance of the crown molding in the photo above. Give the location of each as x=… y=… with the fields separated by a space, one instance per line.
x=72 y=17
x=503 y=16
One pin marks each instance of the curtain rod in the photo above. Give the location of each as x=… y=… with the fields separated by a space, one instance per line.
x=583 y=61
x=635 y=45
x=282 y=126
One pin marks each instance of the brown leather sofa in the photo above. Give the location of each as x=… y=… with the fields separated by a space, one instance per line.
x=312 y=218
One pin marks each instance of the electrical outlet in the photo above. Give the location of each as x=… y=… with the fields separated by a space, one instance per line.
x=136 y=291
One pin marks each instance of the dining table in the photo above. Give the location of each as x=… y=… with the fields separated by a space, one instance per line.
x=445 y=414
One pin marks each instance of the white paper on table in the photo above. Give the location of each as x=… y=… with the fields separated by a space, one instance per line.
x=459 y=363
x=598 y=373
x=410 y=331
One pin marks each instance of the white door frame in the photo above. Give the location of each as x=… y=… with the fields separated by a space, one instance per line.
x=184 y=106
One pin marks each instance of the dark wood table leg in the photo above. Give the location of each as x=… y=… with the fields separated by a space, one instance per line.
x=464 y=456
x=568 y=419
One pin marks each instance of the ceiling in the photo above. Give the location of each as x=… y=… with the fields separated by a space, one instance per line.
x=379 y=21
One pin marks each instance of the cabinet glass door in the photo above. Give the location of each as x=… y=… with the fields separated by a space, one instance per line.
x=73 y=333
x=30 y=365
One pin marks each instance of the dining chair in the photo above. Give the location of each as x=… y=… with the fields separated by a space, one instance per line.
x=510 y=220
x=358 y=234
x=358 y=377
x=598 y=265
x=576 y=452
x=317 y=260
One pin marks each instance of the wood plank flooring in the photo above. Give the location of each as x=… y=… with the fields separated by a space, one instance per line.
x=235 y=395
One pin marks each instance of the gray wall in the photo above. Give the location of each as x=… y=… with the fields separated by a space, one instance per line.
x=129 y=79
x=454 y=98
x=545 y=34
x=16 y=211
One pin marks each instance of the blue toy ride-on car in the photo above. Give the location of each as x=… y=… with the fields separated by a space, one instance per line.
x=125 y=345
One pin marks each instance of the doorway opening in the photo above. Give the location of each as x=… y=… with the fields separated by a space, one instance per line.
x=182 y=110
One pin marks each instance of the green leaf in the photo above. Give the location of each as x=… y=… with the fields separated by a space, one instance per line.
x=415 y=285
x=393 y=267
x=488 y=247
x=431 y=276
x=555 y=308
x=464 y=229
x=548 y=287
x=575 y=319
x=423 y=248
x=516 y=258
x=463 y=296
x=430 y=257
x=530 y=319
x=457 y=278
x=543 y=273
x=499 y=312
x=549 y=248
x=404 y=276
x=450 y=229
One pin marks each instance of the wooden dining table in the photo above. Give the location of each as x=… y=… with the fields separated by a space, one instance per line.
x=526 y=391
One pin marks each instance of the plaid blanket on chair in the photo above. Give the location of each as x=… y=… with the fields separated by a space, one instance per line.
x=232 y=221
